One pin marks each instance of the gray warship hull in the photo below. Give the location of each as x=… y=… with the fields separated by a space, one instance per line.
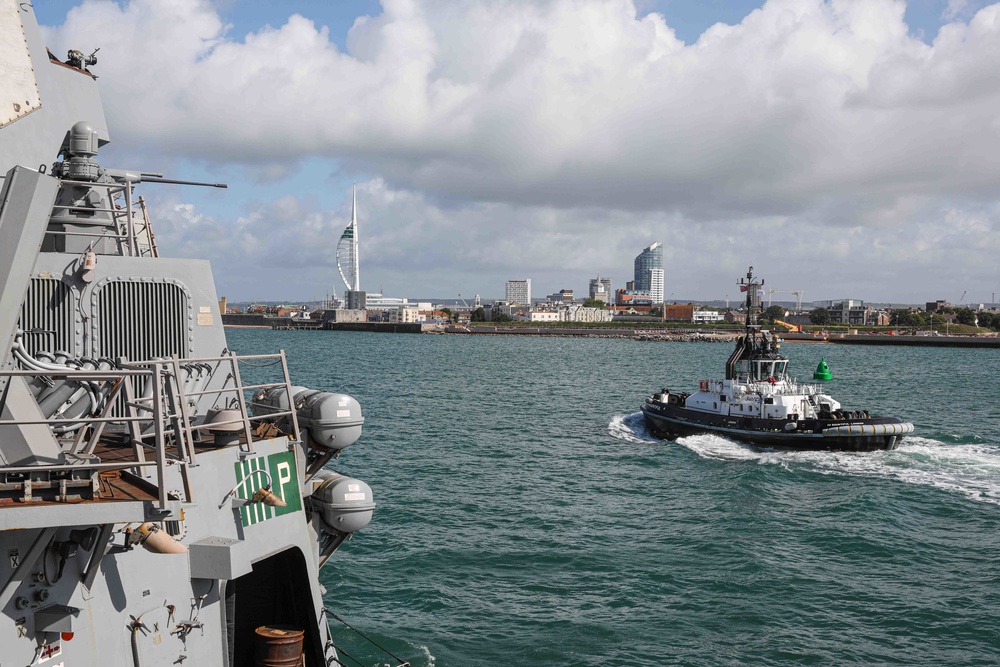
x=155 y=508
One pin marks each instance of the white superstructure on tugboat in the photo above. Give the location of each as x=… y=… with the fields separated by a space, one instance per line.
x=759 y=403
x=163 y=500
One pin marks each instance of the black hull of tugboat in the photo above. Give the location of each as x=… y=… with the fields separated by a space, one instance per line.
x=669 y=422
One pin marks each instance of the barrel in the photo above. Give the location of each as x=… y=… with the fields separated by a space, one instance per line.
x=278 y=646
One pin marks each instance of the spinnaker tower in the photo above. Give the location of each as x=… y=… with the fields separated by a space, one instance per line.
x=348 y=261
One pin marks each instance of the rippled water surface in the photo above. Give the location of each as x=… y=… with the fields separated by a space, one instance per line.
x=526 y=517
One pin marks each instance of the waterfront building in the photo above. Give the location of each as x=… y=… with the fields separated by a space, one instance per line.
x=538 y=316
x=706 y=317
x=562 y=296
x=356 y=300
x=626 y=297
x=344 y=315
x=656 y=285
x=648 y=271
x=852 y=311
x=577 y=313
x=511 y=310
x=676 y=313
x=377 y=301
x=519 y=291
x=404 y=315
x=600 y=289
x=411 y=313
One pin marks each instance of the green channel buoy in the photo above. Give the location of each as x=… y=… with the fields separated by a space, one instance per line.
x=822 y=371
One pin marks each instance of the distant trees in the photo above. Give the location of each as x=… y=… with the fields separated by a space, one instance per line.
x=990 y=321
x=595 y=303
x=502 y=317
x=772 y=313
x=907 y=318
x=965 y=316
x=819 y=316
x=478 y=315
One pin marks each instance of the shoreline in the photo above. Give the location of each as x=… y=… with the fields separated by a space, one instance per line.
x=644 y=335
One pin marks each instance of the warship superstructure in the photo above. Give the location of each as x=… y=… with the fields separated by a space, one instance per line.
x=156 y=508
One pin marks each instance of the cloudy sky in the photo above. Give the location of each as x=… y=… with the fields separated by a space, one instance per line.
x=844 y=148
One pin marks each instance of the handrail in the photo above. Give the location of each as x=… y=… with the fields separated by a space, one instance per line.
x=224 y=389
x=164 y=408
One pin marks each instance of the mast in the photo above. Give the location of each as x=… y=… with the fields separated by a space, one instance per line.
x=752 y=288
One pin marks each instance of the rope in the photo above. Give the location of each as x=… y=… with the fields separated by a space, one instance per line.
x=400 y=661
x=348 y=655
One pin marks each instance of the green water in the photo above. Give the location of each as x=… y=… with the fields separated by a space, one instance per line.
x=525 y=517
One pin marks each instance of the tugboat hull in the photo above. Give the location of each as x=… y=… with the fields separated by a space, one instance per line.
x=670 y=422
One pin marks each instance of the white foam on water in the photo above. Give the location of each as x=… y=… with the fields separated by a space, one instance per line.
x=972 y=470
x=630 y=428
x=427 y=654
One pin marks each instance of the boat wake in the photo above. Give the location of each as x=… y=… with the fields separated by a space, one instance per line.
x=428 y=658
x=972 y=470
x=630 y=428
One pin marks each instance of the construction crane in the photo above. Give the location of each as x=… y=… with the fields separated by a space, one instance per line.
x=798 y=296
x=963 y=297
x=464 y=302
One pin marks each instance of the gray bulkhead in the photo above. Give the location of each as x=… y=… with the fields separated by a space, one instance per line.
x=77 y=587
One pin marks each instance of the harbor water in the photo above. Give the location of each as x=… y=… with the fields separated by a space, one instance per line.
x=525 y=517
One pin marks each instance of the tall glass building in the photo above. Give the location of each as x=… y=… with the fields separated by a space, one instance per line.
x=649 y=271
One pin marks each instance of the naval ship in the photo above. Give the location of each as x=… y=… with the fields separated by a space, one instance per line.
x=156 y=508
x=760 y=403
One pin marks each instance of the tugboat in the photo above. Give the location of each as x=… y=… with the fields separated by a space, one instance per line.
x=760 y=404
x=163 y=500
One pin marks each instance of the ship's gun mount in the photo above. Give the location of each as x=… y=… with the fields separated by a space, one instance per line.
x=76 y=58
x=329 y=421
x=94 y=209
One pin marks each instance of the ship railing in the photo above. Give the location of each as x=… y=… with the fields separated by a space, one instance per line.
x=160 y=428
x=232 y=386
x=764 y=388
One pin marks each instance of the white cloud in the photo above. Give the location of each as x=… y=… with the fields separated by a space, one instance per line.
x=411 y=246
x=504 y=131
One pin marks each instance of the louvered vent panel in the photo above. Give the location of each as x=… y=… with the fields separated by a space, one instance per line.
x=141 y=320
x=47 y=317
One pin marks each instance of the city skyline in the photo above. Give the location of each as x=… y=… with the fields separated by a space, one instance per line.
x=842 y=148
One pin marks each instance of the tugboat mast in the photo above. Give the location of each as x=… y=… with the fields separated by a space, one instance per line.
x=752 y=288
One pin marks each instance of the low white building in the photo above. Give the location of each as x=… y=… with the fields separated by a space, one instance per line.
x=539 y=316
x=376 y=301
x=706 y=317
